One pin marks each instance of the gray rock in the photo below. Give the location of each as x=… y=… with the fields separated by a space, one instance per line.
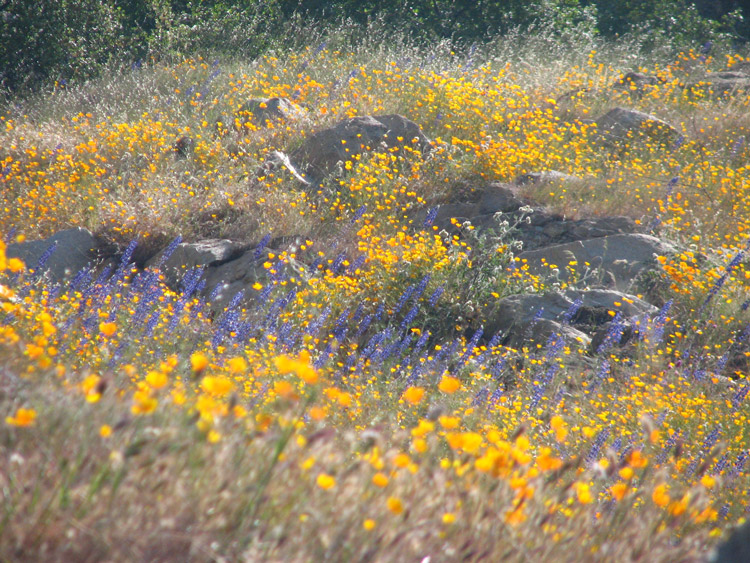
x=277 y=161
x=618 y=259
x=533 y=227
x=719 y=85
x=636 y=84
x=532 y=318
x=191 y=255
x=735 y=549
x=263 y=112
x=622 y=124
x=742 y=67
x=74 y=250
x=322 y=151
x=233 y=277
x=403 y=132
x=545 y=177
x=499 y=198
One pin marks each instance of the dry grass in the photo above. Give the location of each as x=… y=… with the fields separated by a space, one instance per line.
x=321 y=421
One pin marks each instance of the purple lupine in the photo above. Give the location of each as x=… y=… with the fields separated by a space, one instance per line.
x=372 y=345
x=668 y=445
x=495 y=397
x=572 y=310
x=432 y=214
x=617 y=443
x=81 y=279
x=215 y=292
x=410 y=316
x=265 y=293
x=670 y=188
x=614 y=334
x=414 y=376
x=738 y=144
x=341 y=326
x=360 y=310
x=494 y=341
x=314 y=327
x=169 y=251
x=497 y=369
x=37 y=272
x=470 y=346
x=421 y=342
x=699 y=374
x=541 y=387
x=721 y=464
x=661 y=418
x=435 y=296
x=553 y=347
x=408 y=292
x=338 y=262
x=739 y=465
x=481 y=397
x=718 y=284
x=596 y=447
x=321 y=360
x=357 y=264
x=258 y=252
x=405 y=342
x=152 y=322
x=364 y=325
x=723 y=512
x=387 y=351
x=358 y=214
x=127 y=255
x=708 y=442
x=739 y=396
x=534 y=320
x=421 y=286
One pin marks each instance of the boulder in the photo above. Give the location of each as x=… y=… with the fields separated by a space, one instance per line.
x=241 y=273
x=532 y=318
x=545 y=177
x=223 y=282
x=741 y=66
x=186 y=256
x=533 y=227
x=498 y=197
x=74 y=249
x=183 y=147
x=620 y=124
x=324 y=149
x=276 y=162
x=719 y=85
x=614 y=261
x=735 y=548
x=267 y=112
x=636 y=84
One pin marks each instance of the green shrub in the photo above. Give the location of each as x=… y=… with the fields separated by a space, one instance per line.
x=47 y=40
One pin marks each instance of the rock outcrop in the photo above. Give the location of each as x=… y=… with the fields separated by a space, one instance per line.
x=63 y=254
x=621 y=124
x=204 y=254
x=573 y=315
x=267 y=112
x=720 y=85
x=613 y=261
x=325 y=149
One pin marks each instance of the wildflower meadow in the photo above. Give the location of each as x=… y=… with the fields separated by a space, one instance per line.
x=347 y=399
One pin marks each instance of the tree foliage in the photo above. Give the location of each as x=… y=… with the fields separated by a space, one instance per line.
x=42 y=41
